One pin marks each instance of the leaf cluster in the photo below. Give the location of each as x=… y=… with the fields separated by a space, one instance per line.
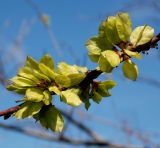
x=115 y=43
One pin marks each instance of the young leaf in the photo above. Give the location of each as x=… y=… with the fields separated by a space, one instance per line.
x=47 y=71
x=27 y=72
x=107 y=84
x=65 y=69
x=96 y=45
x=22 y=82
x=103 y=91
x=54 y=89
x=47 y=60
x=34 y=94
x=47 y=97
x=130 y=70
x=17 y=89
x=108 y=60
x=94 y=50
x=84 y=95
x=124 y=26
x=141 y=35
x=111 y=30
x=71 y=97
x=81 y=69
x=30 y=62
x=133 y=54
x=63 y=80
x=76 y=78
x=41 y=76
x=28 y=109
x=51 y=118
x=103 y=40
x=96 y=97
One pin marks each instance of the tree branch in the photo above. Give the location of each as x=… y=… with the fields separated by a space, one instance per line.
x=64 y=139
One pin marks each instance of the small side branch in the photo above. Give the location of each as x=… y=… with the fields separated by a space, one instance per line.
x=63 y=139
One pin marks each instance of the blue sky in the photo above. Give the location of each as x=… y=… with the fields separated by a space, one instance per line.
x=73 y=23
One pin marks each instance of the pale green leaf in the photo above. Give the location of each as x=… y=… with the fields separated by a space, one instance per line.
x=133 y=54
x=141 y=35
x=27 y=72
x=107 y=84
x=47 y=97
x=54 y=89
x=22 y=82
x=124 y=26
x=28 y=109
x=63 y=80
x=108 y=60
x=94 y=50
x=81 y=69
x=71 y=97
x=34 y=94
x=104 y=42
x=130 y=70
x=41 y=76
x=93 y=57
x=47 y=71
x=17 y=89
x=47 y=60
x=75 y=79
x=65 y=69
x=51 y=118
x=111 y=30
x=30 y=62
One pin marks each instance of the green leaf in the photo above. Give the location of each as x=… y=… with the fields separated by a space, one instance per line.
x=141 y=35
x=124 y=26
x=41 y=76
x=84 y=95
x=22 y=82
x=81 y=69
x=93 y=57
x=63 y=80
x=76 y=78
x=96 y=97
x=71 y=97
x=103 y=40
x=130 y=70
x=111 y=30
x=103 y=92
x=28 y=109
x=65 y=69
x=47 y=60
x=27 y=72
x=34 y=94
x=133 y=54
x=107 y=84
x=108 y=60
x=54 y=89
x=51 y=118
x=47 y=97
x=30 y=62
x=94 y=50
x=17 y=89
x=47 y=71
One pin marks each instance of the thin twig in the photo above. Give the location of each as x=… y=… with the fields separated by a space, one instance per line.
x=47 y=137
